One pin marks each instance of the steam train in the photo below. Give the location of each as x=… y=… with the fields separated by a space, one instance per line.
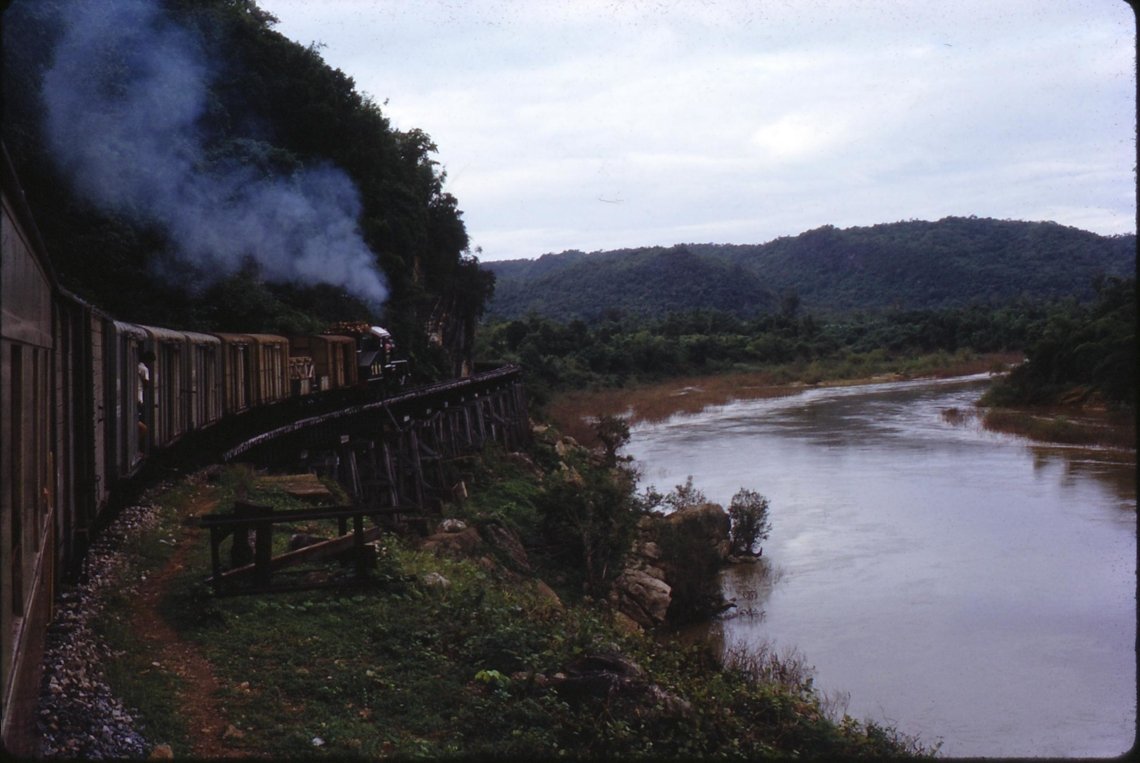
x=84 y=398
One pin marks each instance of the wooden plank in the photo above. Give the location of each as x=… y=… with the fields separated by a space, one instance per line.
x=315 y=552
x=306 y=486
x=282 y=515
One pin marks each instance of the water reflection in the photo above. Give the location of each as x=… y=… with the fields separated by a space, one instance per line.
x=962 y=583
x=1116 y=469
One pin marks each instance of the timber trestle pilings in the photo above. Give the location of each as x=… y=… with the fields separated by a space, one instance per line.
x=400 y=455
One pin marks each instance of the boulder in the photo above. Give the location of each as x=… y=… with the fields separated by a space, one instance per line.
x=466 y=542
x=451 y=525
x=653 y=589
x=708 y=522
x=642 y=597
x=508 y=543
x=548 y=595
x=436 y=581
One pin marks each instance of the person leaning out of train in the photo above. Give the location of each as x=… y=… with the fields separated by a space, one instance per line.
x=145 y=361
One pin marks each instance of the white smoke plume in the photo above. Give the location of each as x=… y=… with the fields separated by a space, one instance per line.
x=124 y=98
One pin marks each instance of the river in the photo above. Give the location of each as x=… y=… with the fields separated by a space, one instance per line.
x=964 y=586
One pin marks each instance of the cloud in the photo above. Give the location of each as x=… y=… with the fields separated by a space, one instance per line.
x=759 y=118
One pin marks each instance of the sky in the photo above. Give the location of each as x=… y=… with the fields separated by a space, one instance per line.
x=603 y=124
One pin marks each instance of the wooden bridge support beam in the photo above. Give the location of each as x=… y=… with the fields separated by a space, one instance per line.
x=398 y=455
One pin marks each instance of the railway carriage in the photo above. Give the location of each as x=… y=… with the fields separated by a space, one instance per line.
x=130 y=399
x=80 y=424
x=185 y=383
x=203 y=379
x=255 y=368
x=84 y=398
x=27 y=474
x=333 y=359
x=270 y=368
x=237 y=372
x=168 y=413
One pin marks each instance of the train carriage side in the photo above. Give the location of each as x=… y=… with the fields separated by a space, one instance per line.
x=80 y=485
x=99 y=329
x=237 y=372
x=270 y=368
x=332 y=358
x=168 y=369
x=341 y=360
x=204 y=379
x=130 y=398
x=27 y=473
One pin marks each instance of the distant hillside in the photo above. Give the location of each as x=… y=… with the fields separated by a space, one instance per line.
x=642 y=282
x=953 y=262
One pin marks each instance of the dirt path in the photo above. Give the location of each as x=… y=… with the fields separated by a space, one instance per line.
x=206 y=721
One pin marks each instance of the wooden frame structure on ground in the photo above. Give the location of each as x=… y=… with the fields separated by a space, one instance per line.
x=399 y=460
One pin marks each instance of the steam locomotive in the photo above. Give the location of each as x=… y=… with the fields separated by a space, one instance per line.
x=84 y=398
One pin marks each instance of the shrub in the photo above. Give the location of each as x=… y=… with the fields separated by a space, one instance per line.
x=750 y=523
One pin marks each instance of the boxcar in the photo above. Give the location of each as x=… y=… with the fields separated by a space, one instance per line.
x=27 y=472
x=237 y=372
x=168 y=372
x=255 y=368
x=130 y=398
x=80 y=431
x=271 y=368
x=204 y=379
x=333 y=359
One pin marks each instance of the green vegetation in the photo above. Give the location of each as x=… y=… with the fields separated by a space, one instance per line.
x=447 y=656
x=787 y=346
x=1079 y=384
x=748 y=511
x=1081 y=353
x=953 y=263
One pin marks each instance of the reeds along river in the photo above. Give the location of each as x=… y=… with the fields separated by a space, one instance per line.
x=965 y=586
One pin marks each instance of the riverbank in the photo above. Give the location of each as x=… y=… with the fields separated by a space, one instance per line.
x=574 y=410
x=1095 y=427
x=456 y=651
x=890 y=528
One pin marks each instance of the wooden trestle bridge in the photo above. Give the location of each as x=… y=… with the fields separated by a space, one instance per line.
x=397 y=458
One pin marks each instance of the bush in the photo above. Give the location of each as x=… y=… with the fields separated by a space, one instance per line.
x=750 y=524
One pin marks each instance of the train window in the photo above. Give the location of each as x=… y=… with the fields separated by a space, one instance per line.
x=16 y=527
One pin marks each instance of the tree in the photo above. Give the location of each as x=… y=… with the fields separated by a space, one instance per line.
x=613 y=433
x=750 y=523
x=592 y=516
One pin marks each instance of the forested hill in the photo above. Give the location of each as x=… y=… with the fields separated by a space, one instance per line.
x=953 y=262
x=189 y=166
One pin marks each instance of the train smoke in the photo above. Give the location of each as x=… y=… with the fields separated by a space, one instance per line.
x=124 y=97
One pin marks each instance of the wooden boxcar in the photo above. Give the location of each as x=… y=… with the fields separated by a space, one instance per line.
x=204 y=379
x=130 y=398
x=168 y=372
x=237 y=372
x=80 y=425
x=333 y=359
x=255 y=369
x=271 y=368
x=27 y=472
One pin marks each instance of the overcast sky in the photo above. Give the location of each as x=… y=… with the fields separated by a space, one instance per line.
x=601 y=124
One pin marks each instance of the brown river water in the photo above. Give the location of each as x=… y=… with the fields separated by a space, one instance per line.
x=967 y=587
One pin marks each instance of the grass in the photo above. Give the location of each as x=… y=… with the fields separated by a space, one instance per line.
x=408 y=669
